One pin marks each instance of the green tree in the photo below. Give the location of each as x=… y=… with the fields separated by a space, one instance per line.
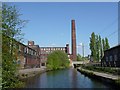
x=11 y=31
x=97 y=48
x=93 y=45
x=103 y=44
x=57 y=60
x=107 y=46
x=101 y=49
x=11 y=22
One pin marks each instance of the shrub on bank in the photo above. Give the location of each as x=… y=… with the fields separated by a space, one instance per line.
x=57 y=60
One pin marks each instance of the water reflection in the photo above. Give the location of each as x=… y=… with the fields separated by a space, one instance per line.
x=67 y=78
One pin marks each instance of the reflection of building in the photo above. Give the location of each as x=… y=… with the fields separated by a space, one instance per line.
x=111 y=57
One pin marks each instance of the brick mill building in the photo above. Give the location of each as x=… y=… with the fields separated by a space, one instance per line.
x=31 y=55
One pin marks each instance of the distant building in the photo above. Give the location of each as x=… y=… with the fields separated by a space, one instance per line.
x=111 y=57
x=44 y=51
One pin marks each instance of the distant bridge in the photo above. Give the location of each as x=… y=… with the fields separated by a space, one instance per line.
x=75 y=63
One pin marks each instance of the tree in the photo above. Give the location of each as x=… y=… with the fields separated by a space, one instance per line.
x=11 y=31
x=101 y=49
x=98 y=46
x=11 y=22
x=107 y=46
x=93 y=45
x=57 y=60
x=103 y=44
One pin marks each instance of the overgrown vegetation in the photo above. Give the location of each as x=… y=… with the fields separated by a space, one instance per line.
x=57 y=60
x=11 y=31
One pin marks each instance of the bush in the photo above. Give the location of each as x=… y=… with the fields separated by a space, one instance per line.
x=57 y=60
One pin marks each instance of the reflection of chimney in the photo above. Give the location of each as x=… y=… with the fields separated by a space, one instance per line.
x=73 y=40
x=30 y=43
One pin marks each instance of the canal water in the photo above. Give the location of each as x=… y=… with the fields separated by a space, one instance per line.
x=67 y=78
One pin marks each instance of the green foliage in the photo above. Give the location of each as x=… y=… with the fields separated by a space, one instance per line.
x=98 y=46
x=57 y=60
x=103 y=44
x=101 y=49
x=9 y=66
x=93 y=46
x=11 y=22
x=11 y=31
x=107 y=46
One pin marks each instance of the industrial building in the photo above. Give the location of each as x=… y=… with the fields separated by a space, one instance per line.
x=111 y=57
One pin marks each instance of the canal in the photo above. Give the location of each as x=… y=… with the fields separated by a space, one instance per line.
x=67 y=78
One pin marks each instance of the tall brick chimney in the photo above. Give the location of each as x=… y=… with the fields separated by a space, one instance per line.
x=74 y=57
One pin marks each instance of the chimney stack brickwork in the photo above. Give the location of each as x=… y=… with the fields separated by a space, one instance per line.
x=74 y=57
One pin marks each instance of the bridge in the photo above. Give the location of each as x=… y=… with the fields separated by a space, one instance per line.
x=75 y=63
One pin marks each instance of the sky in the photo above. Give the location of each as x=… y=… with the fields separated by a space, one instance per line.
x=50 y=23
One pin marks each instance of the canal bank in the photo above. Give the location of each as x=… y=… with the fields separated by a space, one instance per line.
x=27 y=73
x=32 y=72
x=108 y=78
